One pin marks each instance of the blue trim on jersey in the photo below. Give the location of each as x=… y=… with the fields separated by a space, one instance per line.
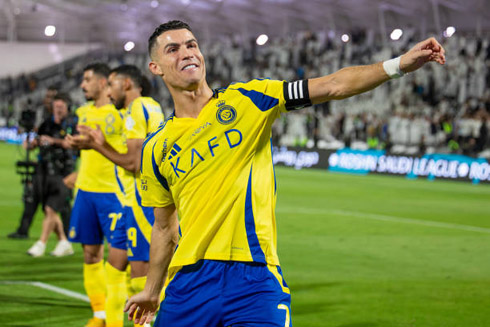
x=145 y=112
x=273 y=168
x=159 y=176
x=148 y=138
x=138 y=196
x=260 y=100
x=253 y=241
x=118 y=180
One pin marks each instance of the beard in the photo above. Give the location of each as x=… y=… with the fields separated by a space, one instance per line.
x=119 y=103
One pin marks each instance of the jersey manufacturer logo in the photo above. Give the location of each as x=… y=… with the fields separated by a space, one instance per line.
x=174 y=151
x=225 y=114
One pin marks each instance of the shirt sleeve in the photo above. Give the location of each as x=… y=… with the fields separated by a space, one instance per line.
x=136 y=121
x=155 y=191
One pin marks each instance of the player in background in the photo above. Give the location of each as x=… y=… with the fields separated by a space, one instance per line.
x=99 y=202
x=212 y=162
x=142 y=116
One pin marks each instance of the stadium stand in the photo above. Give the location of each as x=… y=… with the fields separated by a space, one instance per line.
x=437 y=110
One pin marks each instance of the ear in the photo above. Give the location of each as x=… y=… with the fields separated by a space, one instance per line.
x=155 y=69
x=127 y=84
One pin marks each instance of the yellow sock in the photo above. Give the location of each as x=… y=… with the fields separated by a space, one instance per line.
x=131 y=292
x=95 y=284
x=116 y=296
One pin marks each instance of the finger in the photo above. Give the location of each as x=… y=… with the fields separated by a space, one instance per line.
x=132 y=310
x=149 y=319
x=128 y=305
x=137 y=316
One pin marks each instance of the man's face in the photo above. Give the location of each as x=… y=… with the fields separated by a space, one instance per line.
x=177 y=58
x=91 y=85
x=60 y=110
x=116 y=90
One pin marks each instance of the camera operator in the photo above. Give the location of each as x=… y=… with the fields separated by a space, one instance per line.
x=32 y=198
x=56 y=161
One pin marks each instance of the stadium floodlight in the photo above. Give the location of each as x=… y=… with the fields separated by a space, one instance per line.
x=345 y=38
x=262 y=39
x=450 y=30
x=154 y=4
x=129 y=46
x=50 y=30
x=396 y=34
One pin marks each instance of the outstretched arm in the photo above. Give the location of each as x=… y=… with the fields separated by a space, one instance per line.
x=164 y=238
x=354 y=80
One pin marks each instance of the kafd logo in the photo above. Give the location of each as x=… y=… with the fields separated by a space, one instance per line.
x=174 y=151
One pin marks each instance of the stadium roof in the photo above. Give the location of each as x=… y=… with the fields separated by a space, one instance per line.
x=114 y=22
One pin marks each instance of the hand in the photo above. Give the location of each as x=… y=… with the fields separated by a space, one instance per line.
x=70 y=180
x=96 y=134
x=421 y=53
x=45 y=140
x=142 y=307
x=81 y=142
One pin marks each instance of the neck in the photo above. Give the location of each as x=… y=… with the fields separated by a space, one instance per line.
x=130 y=97
x=190 y=103
x=102 y=101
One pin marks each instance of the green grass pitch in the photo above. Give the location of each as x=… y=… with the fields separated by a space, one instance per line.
x=356 y=251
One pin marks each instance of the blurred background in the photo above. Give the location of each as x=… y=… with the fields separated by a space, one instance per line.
x=357 y=251
x=436 y=110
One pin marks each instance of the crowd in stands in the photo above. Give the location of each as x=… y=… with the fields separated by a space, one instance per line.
x=437 y=109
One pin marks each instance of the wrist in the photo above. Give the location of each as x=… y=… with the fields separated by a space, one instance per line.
x=392 y=68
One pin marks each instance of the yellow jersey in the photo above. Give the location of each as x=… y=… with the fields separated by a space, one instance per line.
x=217 y=169
x=143 y=116
x=97 y=173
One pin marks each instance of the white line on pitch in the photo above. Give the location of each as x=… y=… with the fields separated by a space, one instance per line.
x=357 y=214
x=51 y=288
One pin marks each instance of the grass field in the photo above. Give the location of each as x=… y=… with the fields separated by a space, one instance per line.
x=357 y=251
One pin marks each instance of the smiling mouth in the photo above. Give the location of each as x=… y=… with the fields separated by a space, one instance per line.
x=190 y=66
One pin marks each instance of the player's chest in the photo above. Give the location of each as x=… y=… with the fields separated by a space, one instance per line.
x=205 y=145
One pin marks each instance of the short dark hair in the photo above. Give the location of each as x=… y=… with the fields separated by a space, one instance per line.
x=131 y=71
x=98 y=68
x=54 y=87
x=146 y=87
x=168 y=26
x=63 y=97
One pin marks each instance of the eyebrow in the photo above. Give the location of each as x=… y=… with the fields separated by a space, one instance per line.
x=178 y=44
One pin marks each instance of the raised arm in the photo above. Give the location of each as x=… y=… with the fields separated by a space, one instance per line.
x=354 y=80
x=164 y=238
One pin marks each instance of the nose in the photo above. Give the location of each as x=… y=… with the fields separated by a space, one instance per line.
x=187 y=53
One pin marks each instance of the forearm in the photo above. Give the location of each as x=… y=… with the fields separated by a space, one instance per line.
x=347 y=82
x=123 y=160
x=164 y=239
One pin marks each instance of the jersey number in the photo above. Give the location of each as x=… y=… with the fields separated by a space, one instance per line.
x=285 y=307
x=132 y=236
x=115 y=217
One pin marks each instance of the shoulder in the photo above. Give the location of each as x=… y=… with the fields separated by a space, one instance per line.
x=160 y=135
x=83 y=108
x=257 y=84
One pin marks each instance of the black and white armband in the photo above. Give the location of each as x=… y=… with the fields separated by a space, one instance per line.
x=296 y=94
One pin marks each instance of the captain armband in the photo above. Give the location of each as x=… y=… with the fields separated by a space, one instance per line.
x=296 y=94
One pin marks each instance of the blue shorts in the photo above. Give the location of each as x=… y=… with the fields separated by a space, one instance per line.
x=95 y=215
x=138 y=222
x=226 y=293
